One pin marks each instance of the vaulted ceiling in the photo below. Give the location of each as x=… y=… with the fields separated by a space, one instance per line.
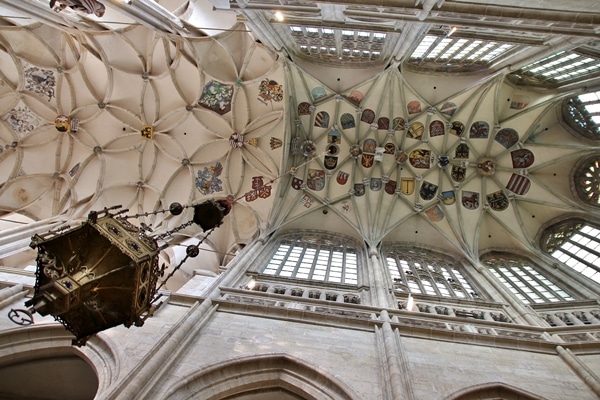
x=390 y=151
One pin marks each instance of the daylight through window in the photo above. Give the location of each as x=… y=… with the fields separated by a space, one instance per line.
x=316 y=259
x=524 y=281
x=577 y=245
x=423 y=272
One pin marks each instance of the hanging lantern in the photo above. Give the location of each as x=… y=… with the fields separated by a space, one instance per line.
x=105 y=272
x=95 y=276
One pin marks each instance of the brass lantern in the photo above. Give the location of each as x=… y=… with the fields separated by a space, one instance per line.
x=95 y=276
x=105 y=272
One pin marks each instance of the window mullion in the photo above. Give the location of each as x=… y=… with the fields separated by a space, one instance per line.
x=514 y=285
x=524 y=272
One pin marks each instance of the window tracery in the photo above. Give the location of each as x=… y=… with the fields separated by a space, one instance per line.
x=586 y=180
x=427 y=272
x=315 y=257
x=582 y=113
x=576 y=244
x=524 y=280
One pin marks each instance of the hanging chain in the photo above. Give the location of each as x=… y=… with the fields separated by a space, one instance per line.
x=191 y=251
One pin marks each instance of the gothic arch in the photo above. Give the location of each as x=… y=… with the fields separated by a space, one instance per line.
x=493 y=391
x=269 y=371
x=53 y=340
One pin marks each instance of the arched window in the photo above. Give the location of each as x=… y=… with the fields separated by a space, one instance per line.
x=524 y=279
x=419 y=271
x=575 y=243
x=316 y=257
x=586 y=180
x=582 y=113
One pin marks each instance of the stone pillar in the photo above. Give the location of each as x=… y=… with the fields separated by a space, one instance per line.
x=579 y=367
x=555 y=320
x=17 y=239
x=380 y=284
x=590 y=317
x=573 y=319
x=398 y=379
x=11 y=294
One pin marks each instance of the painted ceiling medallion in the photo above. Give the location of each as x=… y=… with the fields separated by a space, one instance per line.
x=355 y=151
x=308 y=148
x=147 y=132
x=62 y=123
x=486 y=166
x=236 y=140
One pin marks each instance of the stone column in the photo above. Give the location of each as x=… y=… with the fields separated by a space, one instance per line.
x=17 y=239
x=11 y=294
x=380 y=284
x=398 y=377
x=579 y=367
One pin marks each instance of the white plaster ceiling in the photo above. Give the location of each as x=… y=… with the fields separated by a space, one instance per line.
x=117 y=82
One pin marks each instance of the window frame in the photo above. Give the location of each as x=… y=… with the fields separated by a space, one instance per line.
x=303 y=255
x=552 y=242
x=446 y=282
x=531 y=277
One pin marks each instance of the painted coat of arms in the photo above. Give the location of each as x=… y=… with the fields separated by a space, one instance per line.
x=521 y=158
x=507 y=137
x=259 y=189
x=470 y=200
x=208 y=180
x=390 y=187
x=448 y=197
x=497 y=201
x=416 y=131
x=376 y=184
x=462 y=151
x=420 y=158
x=457 y=128
x=270 y=90
x=347 y=121
x=342 y=177
x=479 y=130
x=458 y=174
x=216 y=96
x=297 y=183
x=436 y=128
x=518 y=184
x=428 y=190
x=316 y=179
x=359 y=189
x=40 y=81
x=407 y=185
x=435 y=213
x=368 y=153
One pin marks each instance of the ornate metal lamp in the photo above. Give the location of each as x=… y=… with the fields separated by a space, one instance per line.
x=105 y=272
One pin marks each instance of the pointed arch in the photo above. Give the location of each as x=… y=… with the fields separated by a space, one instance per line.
x=493 y=391
x=45 y=341
x=268 y=371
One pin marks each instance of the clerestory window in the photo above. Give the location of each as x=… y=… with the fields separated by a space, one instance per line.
x=315 y=257
x=586 y=180
x=418 y=271
x=576 y=244
x=582 y=113
x=524 y=279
